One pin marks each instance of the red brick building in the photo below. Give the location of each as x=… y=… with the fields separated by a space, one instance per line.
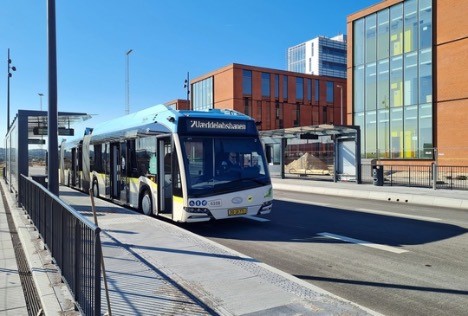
x=276 y=98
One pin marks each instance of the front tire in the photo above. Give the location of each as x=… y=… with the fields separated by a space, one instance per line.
x=146 y=203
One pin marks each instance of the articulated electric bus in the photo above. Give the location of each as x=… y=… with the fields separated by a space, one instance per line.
x=187 y=166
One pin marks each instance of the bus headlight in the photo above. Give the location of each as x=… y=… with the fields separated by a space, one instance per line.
x=266 y=207
x=197 y=210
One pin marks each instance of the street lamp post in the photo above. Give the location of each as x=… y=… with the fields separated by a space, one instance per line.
x=187 y=86
x=13 y=68
x=52 y=113
x=341 y=98
x=127 y=106
x=40 y=96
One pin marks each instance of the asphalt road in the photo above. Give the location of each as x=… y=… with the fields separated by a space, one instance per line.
x=396 y=259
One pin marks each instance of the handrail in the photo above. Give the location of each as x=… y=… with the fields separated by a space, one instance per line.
x=73 y=241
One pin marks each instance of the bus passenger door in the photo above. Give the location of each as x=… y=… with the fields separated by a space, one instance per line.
x=115 y=171
x=71 y=174
x=165 y=175
x=123 y=185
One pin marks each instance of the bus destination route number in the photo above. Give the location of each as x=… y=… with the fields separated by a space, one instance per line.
x=237 y=211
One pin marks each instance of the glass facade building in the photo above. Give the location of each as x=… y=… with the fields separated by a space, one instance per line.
x=321 y=56
x=202 y=94
x=392 y=81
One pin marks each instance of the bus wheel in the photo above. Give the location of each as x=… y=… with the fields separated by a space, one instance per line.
x=146 y=204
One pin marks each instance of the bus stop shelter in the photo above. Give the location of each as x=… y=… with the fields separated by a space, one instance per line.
x=344 y=164
x=30 y=128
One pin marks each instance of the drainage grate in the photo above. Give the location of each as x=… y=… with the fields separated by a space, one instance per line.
x=33 y=303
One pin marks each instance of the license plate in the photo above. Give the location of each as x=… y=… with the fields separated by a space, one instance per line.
x=237 y=211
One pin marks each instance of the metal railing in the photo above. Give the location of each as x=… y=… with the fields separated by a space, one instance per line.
x=447 y=177
x=411 y=176
x=452 y=177
x=74 y=242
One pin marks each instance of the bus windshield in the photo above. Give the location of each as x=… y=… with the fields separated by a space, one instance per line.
x=223 y=164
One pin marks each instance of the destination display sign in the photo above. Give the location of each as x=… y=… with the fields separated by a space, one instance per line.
x=196 y=124
x=213 y=126
x=61 y=131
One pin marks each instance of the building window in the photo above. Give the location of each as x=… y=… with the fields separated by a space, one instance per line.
x=309 y=89
x=358 y=47
x=298 y=115
x=277 y=110
x=202 y=94
x=383 y=34
x=371 y=134
x=317 y=90
x=410 y=141
x=411 y=78
x=247 y=82
x=330 y=89
x=410 y=42
x=396 y=133
x=371 y=35
x=265 y=84
x=258 y=111
x=277 y=87
x=383 y=99
x=425 y=24
x=425 y=131
x=247 y=106
x=425 y=76
x=299 y=88
x=371 y=86
x=396 y=30
x=285 y=87
x=396 y=81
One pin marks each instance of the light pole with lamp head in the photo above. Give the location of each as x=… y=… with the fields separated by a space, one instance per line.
x=13 y=68
x=127 y=107
x=40 y=96
x=187 y=86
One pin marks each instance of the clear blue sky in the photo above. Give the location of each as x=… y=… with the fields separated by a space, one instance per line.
x=169 y=38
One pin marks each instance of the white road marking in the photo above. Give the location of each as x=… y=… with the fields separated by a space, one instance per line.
x=424 y=218
x=255 y=218
x=363 y=243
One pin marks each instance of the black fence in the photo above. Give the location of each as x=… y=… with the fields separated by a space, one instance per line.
x=73 y=241
x=447 y=177
x=452 y=177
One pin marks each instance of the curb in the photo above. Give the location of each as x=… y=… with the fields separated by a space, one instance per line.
x=428 y=200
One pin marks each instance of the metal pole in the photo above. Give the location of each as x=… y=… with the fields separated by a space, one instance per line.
x=52 y=114
x=109 y=311
x=40 y=99
x=127 y=107
x=434 y=170
x=188 y=87
x=8 y=93
x=8 y=89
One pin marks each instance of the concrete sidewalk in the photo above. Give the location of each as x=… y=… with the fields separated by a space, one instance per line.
x=155 y=267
